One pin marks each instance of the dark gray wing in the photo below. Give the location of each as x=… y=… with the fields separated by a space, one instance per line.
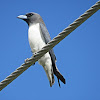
x=47 y=39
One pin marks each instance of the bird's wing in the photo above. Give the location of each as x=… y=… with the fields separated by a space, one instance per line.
x=47 y=39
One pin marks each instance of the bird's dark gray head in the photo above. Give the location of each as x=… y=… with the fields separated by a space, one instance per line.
x=31 y=18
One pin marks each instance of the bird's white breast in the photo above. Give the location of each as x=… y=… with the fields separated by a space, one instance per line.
x=35 y=37
x=36 y=42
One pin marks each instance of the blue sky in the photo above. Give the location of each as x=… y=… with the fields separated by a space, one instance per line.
x=78 y=55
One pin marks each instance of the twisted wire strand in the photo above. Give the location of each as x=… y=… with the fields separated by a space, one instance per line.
x=50 y=45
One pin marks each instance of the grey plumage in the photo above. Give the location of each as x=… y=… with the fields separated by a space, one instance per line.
x=34 y=18
x=51 y=52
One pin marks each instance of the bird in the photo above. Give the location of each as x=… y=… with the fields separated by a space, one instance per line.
x=38 y=37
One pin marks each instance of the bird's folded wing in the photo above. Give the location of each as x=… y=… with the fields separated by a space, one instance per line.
x=47 y=39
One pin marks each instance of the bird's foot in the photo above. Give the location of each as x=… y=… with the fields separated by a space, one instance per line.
x=34 y=53
x=26 y=60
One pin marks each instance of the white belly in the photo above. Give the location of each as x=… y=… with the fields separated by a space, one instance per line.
x=36 y=42
x=35 y=38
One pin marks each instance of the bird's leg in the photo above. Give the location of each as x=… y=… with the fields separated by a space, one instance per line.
x=59 y=83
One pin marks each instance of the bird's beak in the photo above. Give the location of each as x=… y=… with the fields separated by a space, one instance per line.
x=22 y=17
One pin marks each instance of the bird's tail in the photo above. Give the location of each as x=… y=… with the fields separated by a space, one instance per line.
x=52 y=80
x=50 y=75
x=59 y=76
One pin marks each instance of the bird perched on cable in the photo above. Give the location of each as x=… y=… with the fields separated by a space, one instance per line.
x=38 y=37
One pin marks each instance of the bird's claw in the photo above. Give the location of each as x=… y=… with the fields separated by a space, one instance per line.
x=34 y=53
x=26 y=60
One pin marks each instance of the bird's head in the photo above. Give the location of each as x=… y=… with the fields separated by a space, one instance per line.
x=30 y=18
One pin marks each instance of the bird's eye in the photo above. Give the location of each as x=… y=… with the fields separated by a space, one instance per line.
x=29 y=15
